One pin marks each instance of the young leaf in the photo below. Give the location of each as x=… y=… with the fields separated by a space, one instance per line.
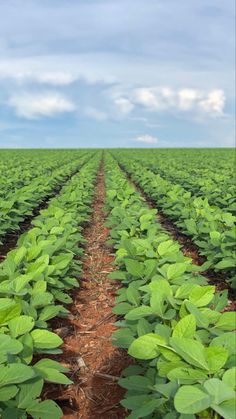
x=146 y=346
x=190 y=399
x=186 y=327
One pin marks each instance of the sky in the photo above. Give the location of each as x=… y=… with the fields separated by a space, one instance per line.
x=117 y=73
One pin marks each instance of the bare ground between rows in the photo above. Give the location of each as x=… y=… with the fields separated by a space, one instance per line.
x=94 y=362
x=10 y=239
x=188 y=248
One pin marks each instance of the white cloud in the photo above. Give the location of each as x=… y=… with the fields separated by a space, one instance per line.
x=96 y=114
x=124 y=105
x=214 y=102
x=147 y=139
x=187 y=99
x=59 y=78
x=23 y=75
x=31 y=106
x=146 y=97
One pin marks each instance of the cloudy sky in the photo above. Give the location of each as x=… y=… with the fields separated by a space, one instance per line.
x=116 y=73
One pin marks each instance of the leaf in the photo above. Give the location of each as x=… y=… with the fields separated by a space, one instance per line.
x=229 y=378
x=176 y=270
x=29 y=391
x=146 y=346
x=122 y=308
x=15 y=374
x=8 y=310
x=191 y=351
x=136 y=383
x=41 y=410
x=134 y=268
x=45 y=339
x=227 y=321
x=139 y=312
x=202 y=295
x=190 y=399
x=186 y=375
x=122 y=337
x=8 y=392
x=227 y=341
x=142 y=406
x=225 y=263
x=186 y=327
x=219 y=391
x=216 y=358
x=166 y=247
x=9 y=345
x=143 y=327
x=20 y=325
x=225 y=409
x=132 y=295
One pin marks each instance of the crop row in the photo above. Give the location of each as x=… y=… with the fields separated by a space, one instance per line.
x=19 y=170
x=17 y=204
x=34 y=282
x=173 y=322
x=211 y=229
x=211 y=177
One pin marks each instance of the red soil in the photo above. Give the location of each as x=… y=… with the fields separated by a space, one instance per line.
x=95 y=363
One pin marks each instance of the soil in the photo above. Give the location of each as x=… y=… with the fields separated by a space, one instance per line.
x=95 y=363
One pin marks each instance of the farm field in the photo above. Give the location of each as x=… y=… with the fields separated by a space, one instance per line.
x=117 y=283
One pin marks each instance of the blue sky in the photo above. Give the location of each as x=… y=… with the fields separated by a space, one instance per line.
x=124 y=73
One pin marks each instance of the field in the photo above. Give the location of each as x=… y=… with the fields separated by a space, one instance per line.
x=117 y=283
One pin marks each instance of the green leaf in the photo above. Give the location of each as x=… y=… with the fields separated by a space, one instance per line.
x=42 y=410
x=202 y=295
x=219 y=391
x=8 y=310
x=20 y=325
x=191 y=351
x=166 y=247
x=227 y=321
x=176 y=270
x=134 y=268
x=216 y=358
x=187 y=375
x=225 y=263
x=225 y=409
x=186 y=327
x=139 y=312
x=146 y=346
x=9 y=345
x=229 y=378
x=28 y=392
x=143 y=327
x=136 y=383
x=122 y=308
x=8 y=392
x=45 y=339
x=15 y=374
x=190 y=399
x=132 y=295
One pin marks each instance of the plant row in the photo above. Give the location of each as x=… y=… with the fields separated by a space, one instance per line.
x=210 y=175
x=17 y=204
x=19 y=168
x=211 y=229
x=35 y=279
x=173 y=324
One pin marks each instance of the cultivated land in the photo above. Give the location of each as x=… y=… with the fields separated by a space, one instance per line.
x=117 y=284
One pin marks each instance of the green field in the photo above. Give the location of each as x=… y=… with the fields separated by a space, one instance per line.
x=169 y=217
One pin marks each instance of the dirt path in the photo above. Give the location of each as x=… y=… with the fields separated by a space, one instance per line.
x=88 y=351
